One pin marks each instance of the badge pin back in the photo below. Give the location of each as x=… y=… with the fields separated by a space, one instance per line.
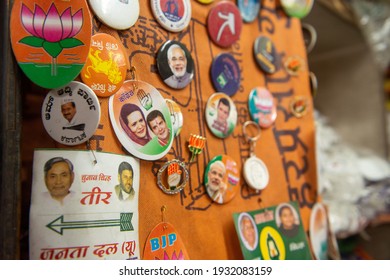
x=106 y=66
x=175 y=64
x=262 y=107
x=118 y=14
x=172 y=177
x=297 y=8
x=176 y=116
x=265 y=54
x=225 y=74
x=141 y=120
x=173 y=16
x=51 y=40
x=224 y=24
x=221 y=179
x=71 y=114
x=249 y=9
x=221 y=114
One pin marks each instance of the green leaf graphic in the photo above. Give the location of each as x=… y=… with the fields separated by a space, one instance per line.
x=70 y=43
x=32 y=41
x=53 y=49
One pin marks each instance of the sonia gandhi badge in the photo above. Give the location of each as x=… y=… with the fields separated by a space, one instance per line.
x=51 y=40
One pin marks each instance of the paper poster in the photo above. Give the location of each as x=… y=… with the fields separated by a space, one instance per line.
x=83 y=210
x=274 y=233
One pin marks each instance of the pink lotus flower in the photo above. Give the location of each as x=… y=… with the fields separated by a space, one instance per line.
x=51 y=31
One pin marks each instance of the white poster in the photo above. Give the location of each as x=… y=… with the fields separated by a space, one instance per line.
x=81 y=209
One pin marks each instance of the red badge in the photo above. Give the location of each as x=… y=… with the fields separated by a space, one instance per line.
x=51 y=40
x=106 y=66
x=224 y=24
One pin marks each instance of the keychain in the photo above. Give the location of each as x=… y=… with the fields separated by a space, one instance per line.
x=255 y=171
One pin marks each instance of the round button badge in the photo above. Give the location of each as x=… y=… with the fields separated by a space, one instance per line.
x=249 y=9
x=262 y=108
x=176 y=116
x=141 y=120
x=117 y=14
x=297 y=8
x=106 y=66
x=175 y=64
x=221 y=179
x=225 y=74
x=221 y=114
x=265 y=54
x=224 y=24
x=206 y=1
x=50 y=40
x=173 y=15
x=71 y=114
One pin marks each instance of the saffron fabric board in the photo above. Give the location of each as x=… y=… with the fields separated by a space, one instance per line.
x=287 y=147
x=92 y=221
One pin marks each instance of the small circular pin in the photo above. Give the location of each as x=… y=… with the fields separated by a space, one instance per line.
x=224 y=24
x=176 y=176
x=225 y=74
x=265 y=54
x=118 y=14
x=299 y=106
x=294 y=64
x=173 y=15
x=221 y=179
x=71 y=114
x=297 y=8
x=106 y=66
x=176 y=116
x=249 y=9
x=175 y=64
x=221 y=114
x=262 y=108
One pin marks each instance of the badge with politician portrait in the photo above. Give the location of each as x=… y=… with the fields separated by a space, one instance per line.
x=51 y=39
x=175 y=64
x=221 y=114
x=82 y=209
x=71 y=114
x=141 y=120
x=106 y=66
x=319 y=231
x=221 y=179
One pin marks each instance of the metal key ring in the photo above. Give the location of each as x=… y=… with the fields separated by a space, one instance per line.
x=257 y=136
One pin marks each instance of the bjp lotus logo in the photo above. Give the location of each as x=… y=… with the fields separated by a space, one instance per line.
x=51 y=31
x=51 y=40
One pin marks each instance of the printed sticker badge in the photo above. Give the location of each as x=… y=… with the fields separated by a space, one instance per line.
x=51 y=40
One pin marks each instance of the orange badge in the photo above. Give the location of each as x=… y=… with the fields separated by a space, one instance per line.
x=51 y=40
x=164 y=243
x=106 y=66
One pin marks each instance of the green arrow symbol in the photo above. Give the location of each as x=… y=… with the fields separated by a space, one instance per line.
x=124 y=222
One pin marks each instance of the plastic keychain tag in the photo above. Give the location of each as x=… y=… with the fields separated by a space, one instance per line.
x=221 y=114
x=221 y=179
x=174 y=15
x=51 y=39
x=164 y=243
x=141 y=120
x=71 y=114
x=117 y=14
x=255 y=171
x=106 y=66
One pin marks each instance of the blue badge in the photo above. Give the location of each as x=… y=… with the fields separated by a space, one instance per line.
x=225 y=74
x=249 y=9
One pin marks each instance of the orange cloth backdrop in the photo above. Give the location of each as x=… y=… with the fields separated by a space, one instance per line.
x=287 y=148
